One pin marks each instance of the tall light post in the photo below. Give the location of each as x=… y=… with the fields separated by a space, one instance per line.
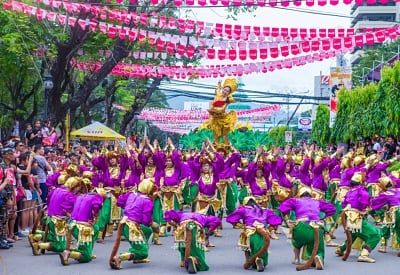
x=48 y=85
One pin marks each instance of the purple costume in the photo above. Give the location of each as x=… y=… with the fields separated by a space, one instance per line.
x=60 y=202
x=137 y=207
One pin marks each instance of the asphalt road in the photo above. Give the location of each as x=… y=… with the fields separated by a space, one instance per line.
x=225 y=258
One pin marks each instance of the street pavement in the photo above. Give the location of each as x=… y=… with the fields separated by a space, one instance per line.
x=225 y=258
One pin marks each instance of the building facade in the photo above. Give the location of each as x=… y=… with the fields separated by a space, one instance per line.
x=373 y=16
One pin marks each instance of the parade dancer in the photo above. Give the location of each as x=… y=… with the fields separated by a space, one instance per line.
x=60 y=203
x=206 y=169
x=190 y=189
x=227 y=187
x=241 y=174
x=191 y=237
x=135 y=226
x=113 y=186
x=388 y=201
x=254 y=239
x=282 y=182
x=257 y=178
x=131 y=170
x=355 y=210
x=151 y=160
x=308 y=231
x=171 y=182
x=221 y=122
x=88 y=218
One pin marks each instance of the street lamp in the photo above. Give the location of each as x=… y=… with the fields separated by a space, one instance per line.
x=48 y=85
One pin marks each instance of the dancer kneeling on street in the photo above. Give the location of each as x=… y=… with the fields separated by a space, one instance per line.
x=308 y=231
x=135 y=226
x=191 y=234
x=254 y=239
x=89 y=216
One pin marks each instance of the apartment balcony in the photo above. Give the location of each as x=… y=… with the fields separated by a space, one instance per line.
x=365 y=10
x=365 y=24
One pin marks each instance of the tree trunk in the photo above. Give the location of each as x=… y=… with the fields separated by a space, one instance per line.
x=138 y=105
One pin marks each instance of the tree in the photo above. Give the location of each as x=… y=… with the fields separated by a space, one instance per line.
x=277 y=136
x=21 y=69
x=321 y=131
x=372 y=57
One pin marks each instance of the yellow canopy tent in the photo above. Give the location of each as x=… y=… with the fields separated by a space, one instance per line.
x=96 y=131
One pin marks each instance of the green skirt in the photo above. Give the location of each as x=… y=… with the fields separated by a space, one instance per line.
x=58 y=244
x=387 y=230
x=369 y=234
x=256 y=243
x=243 y=192
x=140 y=250
x=303 y=236
x=104 y=215
x=85 y=249
x=158 y=213
x=189 y=192
x=231 y=197
x=196 y=250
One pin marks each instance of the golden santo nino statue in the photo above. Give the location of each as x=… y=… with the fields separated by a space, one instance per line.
x=221 y=122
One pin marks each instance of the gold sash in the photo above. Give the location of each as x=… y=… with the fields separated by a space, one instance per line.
x=341 y=193
x=135 y=232
x=389 y=218
x=86 y=232
x=375 y=189
x=214 y=202
x=317 y=194
x=244 y=238
x=169 y=193
x=354 y=219
x=180 y=234
x=281 y=193
x=60 y=225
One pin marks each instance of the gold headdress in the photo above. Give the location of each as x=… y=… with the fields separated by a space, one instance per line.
x=298 y=159
x=146 y=186
x=112 y=154
x=358 y=178
x=72 y=169
x=396 y=174
x=87 y=175
x=318 y=157
x=231 y=83
x=384 y=182
x=358 y=160
x=372 y=159
x=62 y=178
x=205 y=159
x=247 y=199
x=303 y=189
x=244 y=162
x=72 y=182
x=345 y=163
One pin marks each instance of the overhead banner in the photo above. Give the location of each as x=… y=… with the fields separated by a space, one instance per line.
x=340 y=79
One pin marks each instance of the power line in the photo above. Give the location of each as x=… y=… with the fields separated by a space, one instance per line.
x=270 y=94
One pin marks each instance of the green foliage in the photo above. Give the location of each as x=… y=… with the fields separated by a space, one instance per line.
x=321 y=131
x=370 y=110
x=20 y=67
x=277 y=136
x=242 y=140
x=371 y=57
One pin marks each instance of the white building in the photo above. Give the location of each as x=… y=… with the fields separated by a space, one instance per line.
x=373 y=16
